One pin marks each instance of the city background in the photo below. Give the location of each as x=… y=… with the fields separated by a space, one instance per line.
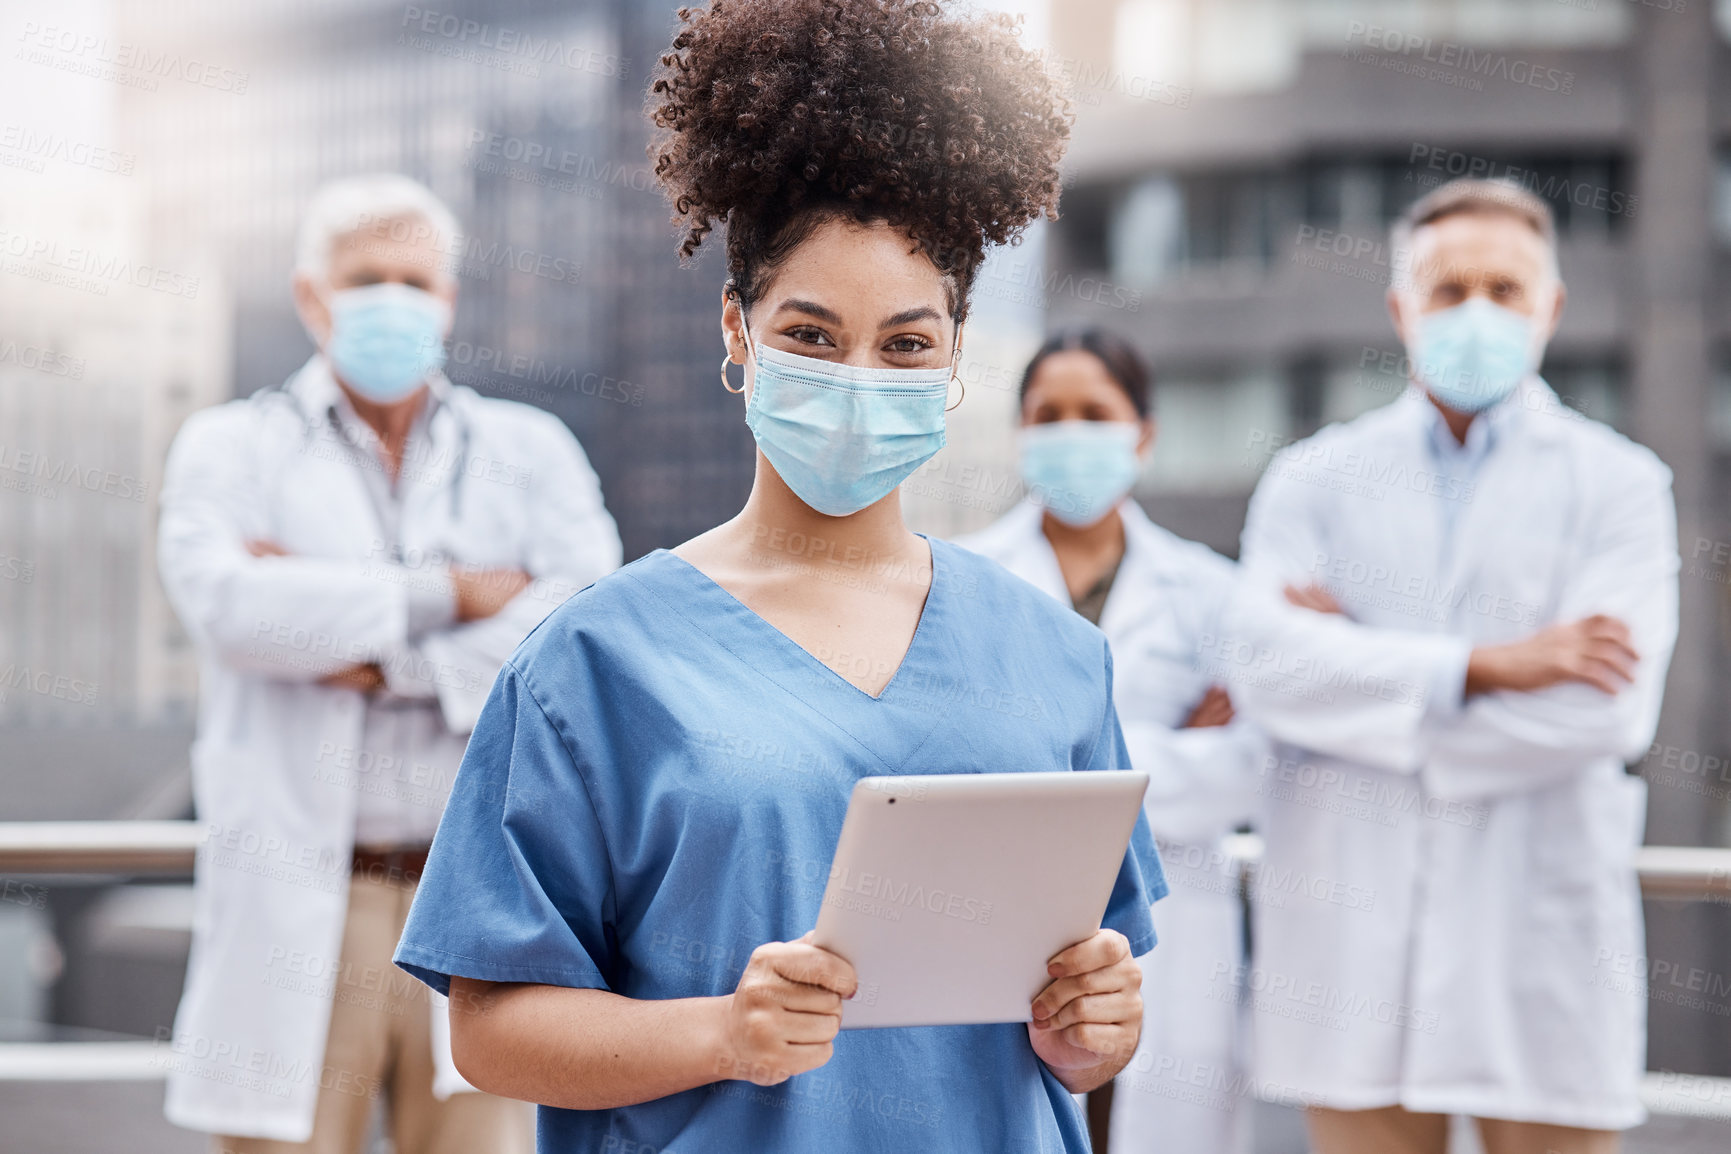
x=1234 y=169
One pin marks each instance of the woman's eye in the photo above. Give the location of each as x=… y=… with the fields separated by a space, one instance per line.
x=806 y=335
x=909 y=346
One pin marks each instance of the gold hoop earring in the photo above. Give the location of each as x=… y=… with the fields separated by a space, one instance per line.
x=956 y=379
x=727 y=359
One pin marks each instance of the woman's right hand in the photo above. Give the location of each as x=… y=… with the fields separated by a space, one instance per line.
x=784 y=1014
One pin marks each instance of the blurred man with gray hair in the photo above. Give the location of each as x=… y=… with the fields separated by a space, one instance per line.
x=355 y=553
x=1456 y=617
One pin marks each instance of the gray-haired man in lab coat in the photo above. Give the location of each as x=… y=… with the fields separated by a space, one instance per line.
x=1457 y=614
x=355 y=554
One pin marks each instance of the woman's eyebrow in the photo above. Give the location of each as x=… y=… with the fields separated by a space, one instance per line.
x=909 y=316
x=811 y=308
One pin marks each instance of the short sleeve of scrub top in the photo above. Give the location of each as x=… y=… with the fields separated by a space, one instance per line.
x=655 y=788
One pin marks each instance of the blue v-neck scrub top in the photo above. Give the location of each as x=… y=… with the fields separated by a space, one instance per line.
x=655 y=789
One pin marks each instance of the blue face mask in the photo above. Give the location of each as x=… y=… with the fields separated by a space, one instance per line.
x=386 y=339
x=843 y=437
x=1080 y=470
x=1472 y=355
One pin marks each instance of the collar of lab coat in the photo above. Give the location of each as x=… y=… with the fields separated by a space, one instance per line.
x=316 y=388
x=1532 y=412
x=1151 y=554
x=316 y=393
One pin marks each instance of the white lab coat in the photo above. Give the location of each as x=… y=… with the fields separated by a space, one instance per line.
x=501 y=484
x=1447 y=907
x=1182 y=1090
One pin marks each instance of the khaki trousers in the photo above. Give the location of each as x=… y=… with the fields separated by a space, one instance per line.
x=1396 y=1130
x=380 y=1044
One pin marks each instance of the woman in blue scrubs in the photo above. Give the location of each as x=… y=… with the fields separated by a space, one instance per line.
x=620 y=896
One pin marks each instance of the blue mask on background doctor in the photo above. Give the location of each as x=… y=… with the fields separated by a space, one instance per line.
x=1478 y=300
x=1085 y=426
x=381 y=306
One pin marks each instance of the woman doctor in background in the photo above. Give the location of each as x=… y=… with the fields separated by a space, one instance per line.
x=1086 y=430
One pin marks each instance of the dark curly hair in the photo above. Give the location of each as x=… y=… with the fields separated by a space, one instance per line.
x=776 y=115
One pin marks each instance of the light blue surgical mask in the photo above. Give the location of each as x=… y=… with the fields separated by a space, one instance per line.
x=843 y=437
x=1080 y=470
x=1472 y=355
x=386 y=339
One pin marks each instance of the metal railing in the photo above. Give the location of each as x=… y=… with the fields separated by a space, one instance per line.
x=133 y=848
x=98 y=847
x=1681 y=873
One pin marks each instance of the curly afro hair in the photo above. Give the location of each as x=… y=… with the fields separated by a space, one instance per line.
x=775 y=115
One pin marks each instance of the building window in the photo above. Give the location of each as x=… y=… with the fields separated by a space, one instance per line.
x=1216 y=430
x=1174 y=224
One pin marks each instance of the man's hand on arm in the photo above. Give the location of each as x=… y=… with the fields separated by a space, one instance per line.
x=483 y=592
x=1594 y=651
x=1087 y=1022
x=1215 y=709
x=360 y=678
x=1313 y=597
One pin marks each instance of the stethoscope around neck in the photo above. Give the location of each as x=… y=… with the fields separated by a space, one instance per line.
x=311 y=424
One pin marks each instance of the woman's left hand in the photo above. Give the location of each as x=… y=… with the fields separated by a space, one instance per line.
x=1087 y=1022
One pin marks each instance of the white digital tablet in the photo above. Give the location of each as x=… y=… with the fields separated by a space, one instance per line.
x=949 y=893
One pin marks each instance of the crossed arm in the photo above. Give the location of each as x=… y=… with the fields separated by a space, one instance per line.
x=477 y=593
